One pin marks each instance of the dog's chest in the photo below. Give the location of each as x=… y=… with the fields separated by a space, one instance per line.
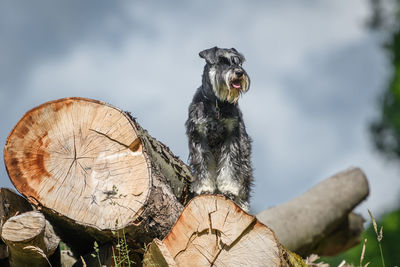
x=216 y=130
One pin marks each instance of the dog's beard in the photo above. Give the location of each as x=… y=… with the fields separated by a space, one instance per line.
x=223 y=86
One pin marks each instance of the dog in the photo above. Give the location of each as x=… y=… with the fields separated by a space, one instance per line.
x=219 y=146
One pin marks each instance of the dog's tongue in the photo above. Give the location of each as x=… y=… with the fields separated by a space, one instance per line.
x=236 y=84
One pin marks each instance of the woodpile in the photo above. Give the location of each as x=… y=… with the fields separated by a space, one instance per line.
x=90 y=176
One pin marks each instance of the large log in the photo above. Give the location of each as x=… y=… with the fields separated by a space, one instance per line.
x=320 y=220
x=30 y=238
x=92 y=169
x=214 y=231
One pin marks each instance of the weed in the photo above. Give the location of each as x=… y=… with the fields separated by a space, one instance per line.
x=379 y=236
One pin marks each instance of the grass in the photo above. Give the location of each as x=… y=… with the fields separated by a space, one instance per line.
x=120 y=251
x=379 y=236
x=375 y=250
x=121 y=256
x=96 y=254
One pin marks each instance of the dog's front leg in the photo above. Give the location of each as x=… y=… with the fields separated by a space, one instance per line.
x=231 y=174
x=203 y=164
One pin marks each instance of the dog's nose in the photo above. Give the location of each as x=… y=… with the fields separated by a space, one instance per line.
x=239 y=73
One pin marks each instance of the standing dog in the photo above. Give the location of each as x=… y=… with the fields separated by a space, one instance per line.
x=219 y=147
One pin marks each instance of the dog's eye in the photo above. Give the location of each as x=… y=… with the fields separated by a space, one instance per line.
x=236 y=61
x=224 y=61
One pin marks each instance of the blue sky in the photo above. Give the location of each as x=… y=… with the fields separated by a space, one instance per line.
x=316 y=73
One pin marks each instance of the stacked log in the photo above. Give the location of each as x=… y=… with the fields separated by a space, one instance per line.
x=321 y=219
x=11 y=204
x=213 y=231
x=96 y=175
x=93 y=170
x=30 y=239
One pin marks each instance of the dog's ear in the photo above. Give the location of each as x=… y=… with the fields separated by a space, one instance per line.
x=209 y=55
x=242 y=58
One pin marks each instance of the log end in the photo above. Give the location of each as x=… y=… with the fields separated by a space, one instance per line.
x=214 y=230
x=82 y=158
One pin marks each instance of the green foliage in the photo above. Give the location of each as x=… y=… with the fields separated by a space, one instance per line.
x=390 y=243
x=292 y=258
x=378 y=235
x=121 y=255
x=386 y=129
x=97 y=252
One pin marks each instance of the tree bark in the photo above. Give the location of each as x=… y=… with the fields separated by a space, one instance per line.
x=11 y=204
x=92 y=169
x=346 y=235
x=320 y=220
x=30 y=238
x=214 y=231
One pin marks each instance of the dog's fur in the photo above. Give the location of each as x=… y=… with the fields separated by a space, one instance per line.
x=219 y=147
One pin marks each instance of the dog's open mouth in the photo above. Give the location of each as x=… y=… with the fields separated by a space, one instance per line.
x=237 y=83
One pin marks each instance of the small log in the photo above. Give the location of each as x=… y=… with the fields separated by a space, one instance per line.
x=11 y=204
x=92 y=169
x=30 y=238
x=318 y=221
x=157 y=254
x=214 y=231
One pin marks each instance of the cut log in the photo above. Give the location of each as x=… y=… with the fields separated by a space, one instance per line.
x=345 y=236
x=92 y=169
x=318 y=221
x=214 y=231
x=30 y=238
x=11 y=204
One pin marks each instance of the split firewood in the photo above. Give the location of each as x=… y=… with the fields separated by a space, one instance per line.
x=30 y=238
x=320 y=220
x=92 y=169
x=214 y=231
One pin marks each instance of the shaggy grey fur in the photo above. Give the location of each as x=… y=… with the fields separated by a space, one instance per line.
x=219 y=147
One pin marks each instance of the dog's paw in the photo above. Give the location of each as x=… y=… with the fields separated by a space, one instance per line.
x=230 y=195
x=206 y=192
x=204 y=186
x=244 y=205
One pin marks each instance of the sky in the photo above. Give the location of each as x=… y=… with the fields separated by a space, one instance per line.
x=316 y=74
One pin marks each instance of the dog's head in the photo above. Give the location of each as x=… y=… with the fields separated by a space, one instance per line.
x=227 y=77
